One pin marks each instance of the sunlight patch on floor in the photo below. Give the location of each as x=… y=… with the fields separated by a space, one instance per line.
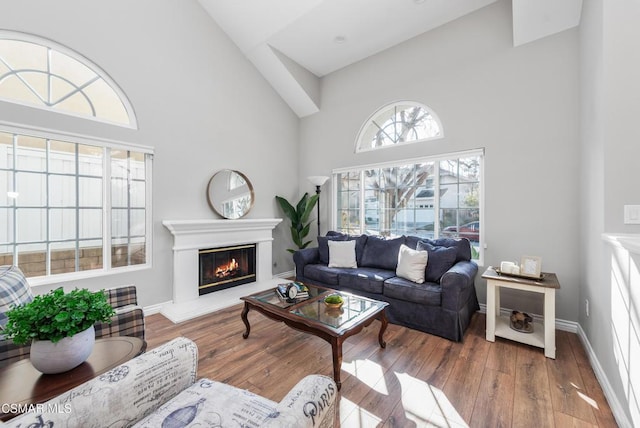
x=369 y=373
x=356 y=417
x=427 y=405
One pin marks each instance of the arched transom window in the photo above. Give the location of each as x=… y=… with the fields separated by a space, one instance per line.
x=398 y=123
x=41 y=73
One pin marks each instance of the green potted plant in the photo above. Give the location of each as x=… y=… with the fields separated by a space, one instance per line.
x=299 y=216
x=60 y=326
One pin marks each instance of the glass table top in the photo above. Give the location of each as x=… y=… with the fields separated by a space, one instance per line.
x=353 y=308
x=314 y=308
x=272 y=298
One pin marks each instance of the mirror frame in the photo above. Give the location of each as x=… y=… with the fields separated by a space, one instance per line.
x=210 y=196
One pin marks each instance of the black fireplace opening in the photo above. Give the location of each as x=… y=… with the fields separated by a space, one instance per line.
x=226 y=267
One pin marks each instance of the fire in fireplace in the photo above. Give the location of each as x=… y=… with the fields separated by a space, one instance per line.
x=226 y=267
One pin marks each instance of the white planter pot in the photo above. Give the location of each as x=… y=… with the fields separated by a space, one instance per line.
x=49 y=358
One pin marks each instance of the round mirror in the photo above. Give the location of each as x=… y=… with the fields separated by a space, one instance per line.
x=230 y=194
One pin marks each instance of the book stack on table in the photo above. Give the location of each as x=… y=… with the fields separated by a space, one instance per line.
x=303 y=290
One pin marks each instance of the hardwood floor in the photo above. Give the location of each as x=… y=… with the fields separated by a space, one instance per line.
x=418 y=380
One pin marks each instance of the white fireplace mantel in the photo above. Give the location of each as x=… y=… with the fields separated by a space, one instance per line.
x=190 y=236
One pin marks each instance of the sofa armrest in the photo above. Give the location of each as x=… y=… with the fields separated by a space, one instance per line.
x=455 y=284
x=311 y=403
x=123 y=395
x=305 y=257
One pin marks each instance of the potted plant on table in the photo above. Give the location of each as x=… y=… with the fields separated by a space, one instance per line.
x=60 y=326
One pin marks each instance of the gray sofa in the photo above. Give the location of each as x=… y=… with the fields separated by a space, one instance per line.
x=443 y=305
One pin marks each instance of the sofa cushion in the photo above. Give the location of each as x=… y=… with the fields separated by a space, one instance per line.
x=441 y=259
x=462 y=246
x=323 y=273
x=411 y=264
x=342 y=254
x=210 y=403
x=365 y=279
x=427 y=293
x=381 y=253
x=14 y=290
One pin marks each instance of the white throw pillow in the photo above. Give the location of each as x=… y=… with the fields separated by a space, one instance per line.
x=411 y=264
x=342 y=254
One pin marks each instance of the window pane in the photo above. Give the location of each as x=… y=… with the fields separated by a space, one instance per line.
x=6 y=188
x=90 y=192
x=90 y=160
x=63 y=257
x=106 y=102
x=448 y=196
x=32 y=259
x=137 y=165
x=31 y=224
x=119 y=223
x=6 y=150
x=119 y=193
x=138 y=194
x=119 y=164
x=62 y=157
x=90 y=223
x=91 y=255
x=31 y=189
x=62 y=224
x=138 y=222
x=31 y=153
x=62 y=191
x=6 y=225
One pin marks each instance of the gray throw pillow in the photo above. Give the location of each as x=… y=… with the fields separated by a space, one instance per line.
x=440 y=260
x=381 y=253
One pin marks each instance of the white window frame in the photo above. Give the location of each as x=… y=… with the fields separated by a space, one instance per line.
x=106 y=202
x=370 y=122
x=436 y=158
x=30 y=38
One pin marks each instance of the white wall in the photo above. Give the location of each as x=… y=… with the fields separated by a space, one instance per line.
x=610 y=64
x=521 y=104
x=198 y=100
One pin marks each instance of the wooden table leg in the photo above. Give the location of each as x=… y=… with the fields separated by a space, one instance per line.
x=383 y=327
x=336 y=348
x=245 y=320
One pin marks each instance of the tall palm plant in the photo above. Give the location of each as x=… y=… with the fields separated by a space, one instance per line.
x=299 y=216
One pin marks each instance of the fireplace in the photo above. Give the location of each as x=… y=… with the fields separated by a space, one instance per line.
x=226 y=267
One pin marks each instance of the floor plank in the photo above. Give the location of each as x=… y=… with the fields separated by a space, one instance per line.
x=417 y=380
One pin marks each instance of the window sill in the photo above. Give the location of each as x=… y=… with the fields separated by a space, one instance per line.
x=60 y=279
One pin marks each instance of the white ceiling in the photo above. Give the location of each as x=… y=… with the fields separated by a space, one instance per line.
x=293 y=43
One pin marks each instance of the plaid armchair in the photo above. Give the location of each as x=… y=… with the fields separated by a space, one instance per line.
x=14 y=289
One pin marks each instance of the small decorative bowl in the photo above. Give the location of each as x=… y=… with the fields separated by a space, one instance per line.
x=332 y=303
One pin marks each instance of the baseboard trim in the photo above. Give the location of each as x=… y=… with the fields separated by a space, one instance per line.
x=155 y=309
x=285 y=275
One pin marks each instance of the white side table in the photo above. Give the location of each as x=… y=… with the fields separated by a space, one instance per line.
x=544 y=334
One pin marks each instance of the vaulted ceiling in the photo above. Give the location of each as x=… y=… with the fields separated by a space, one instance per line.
x=294 y=43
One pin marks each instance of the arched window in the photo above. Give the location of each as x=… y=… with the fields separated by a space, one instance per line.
x=71 y=206
x=41 y=73
x=398 y=123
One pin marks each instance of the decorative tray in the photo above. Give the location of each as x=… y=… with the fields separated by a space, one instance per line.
x=517 y=275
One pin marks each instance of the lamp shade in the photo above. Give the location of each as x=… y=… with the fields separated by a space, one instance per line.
x=317 y=180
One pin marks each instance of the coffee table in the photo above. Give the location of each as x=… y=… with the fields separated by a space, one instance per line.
x=22 y=384
x=314 y=317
